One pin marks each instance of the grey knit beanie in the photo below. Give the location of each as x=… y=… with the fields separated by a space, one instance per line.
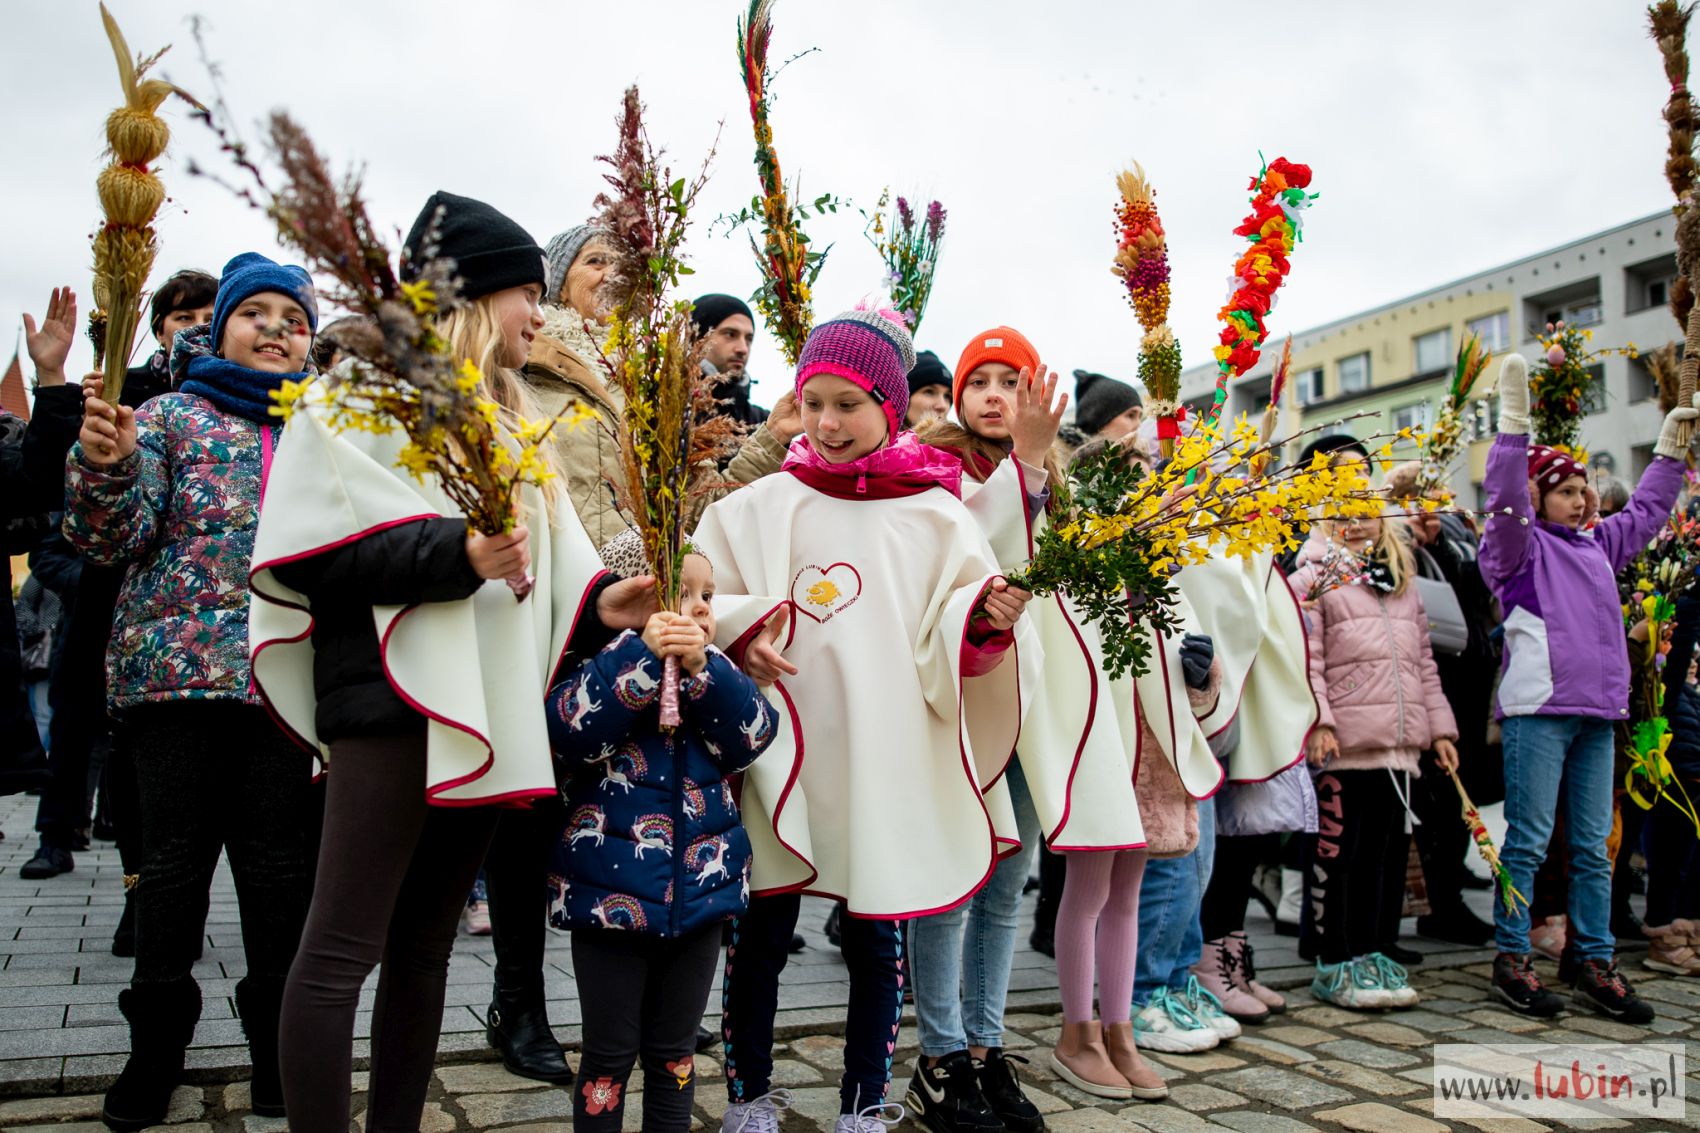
x=561 y=251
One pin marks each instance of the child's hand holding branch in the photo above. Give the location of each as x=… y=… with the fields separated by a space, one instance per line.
x=674 y=635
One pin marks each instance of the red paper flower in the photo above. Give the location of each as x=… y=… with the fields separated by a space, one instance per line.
x=601 y=1095
x=1298 y=176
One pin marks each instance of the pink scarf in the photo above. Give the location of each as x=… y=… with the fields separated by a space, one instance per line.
x=905 y=467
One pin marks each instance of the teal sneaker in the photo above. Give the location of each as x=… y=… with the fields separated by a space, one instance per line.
x=1206 y=1006
x=1351 y=984
x=1167 y=1024
x=1395 y=979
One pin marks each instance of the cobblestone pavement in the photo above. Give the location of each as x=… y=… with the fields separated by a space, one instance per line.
x=62 y=1041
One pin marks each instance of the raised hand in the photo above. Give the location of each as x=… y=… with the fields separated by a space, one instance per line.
x=1514 y=395
x=50 y=343
x=628 y=603
x=1036 y=416
x=785 y=421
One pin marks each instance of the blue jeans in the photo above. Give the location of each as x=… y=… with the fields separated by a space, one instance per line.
x=1171 y=939
x=961 y=979
x=1542 y=755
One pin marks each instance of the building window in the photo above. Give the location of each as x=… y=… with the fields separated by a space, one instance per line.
x=1413 y=416
x=1594 y=393
x=1586 y=313
x=1642 y=385
x=1308 y=387
x=1434 y=351
x=1482 y=419
x=1647 y=285
x=1354 y=373
x=1495 y=330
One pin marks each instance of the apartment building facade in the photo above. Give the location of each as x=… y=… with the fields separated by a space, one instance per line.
x=1388 y=367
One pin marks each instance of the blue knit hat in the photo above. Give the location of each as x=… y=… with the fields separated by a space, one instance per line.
x=251 y=273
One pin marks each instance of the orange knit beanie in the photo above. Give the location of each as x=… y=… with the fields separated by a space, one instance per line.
x=1000 y=344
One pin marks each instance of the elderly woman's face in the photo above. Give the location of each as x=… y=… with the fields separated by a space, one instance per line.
x=584 y=280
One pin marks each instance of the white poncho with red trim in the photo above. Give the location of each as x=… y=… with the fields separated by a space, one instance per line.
x=477 y=669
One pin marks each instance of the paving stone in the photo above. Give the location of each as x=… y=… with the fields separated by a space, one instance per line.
x=1506 y=1124
x=1374 y=1117
x=432 y=1120
x=1353 y=1076
x=824 y=1052
x=1285 y=1088
x=49 y=1109
x=1160 y=1118
x=1251 y=1121
x=67 y=1127
x=1294 y=1034
x=483 y=1078
x=1503 y=1020
x=1204 y=1062
x=1324 y=1015
x=819 y=1104
x=1198 y=1096
x=1392 y=1034
x=1607 y=1028
x=255 y=1124
x=485 y=1110
x=1027 y=1022
x=788 y=1072
x=1367 y=1054
x=1045 y=1103
x=1271 y=1051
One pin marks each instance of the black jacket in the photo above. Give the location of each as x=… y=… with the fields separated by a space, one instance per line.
x=424 y=561
x=734 y=399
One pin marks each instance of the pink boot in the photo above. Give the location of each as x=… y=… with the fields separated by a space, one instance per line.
x=1248 y=975
x=1218 y=970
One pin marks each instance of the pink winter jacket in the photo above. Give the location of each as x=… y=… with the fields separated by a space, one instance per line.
x=1373 y=673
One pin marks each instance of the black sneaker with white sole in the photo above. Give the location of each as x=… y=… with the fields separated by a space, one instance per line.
x=946 y=1096
x=1516 y=983
x=1601 y=986
x=1002 y=1090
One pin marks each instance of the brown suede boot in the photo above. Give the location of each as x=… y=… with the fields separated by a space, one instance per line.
x=1674 y=949
x=1146 y=1083
x=1081 y=1060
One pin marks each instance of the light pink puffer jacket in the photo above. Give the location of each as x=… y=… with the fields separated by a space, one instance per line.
x=1373 y=673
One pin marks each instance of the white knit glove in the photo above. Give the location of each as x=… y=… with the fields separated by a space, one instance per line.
x=1514 y=395
x=1668 y=444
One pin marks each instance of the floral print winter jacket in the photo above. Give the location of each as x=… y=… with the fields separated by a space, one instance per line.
x=181 y=511
x=653 y=844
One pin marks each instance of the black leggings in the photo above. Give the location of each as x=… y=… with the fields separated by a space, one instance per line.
x=1673 y=861
x=642 y=997
x=761 y=944
x=516 y=871
x=1356 y=883
x=393 y=875
x=1222 y=912
x=215 y=775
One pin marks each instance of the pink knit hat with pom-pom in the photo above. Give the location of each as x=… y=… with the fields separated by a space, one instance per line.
x=871 y=348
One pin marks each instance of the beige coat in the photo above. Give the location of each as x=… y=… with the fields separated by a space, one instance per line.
x=590 y=453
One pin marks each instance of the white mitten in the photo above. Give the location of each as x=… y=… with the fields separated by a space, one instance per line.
x=1668 y=444
x=1514 y=395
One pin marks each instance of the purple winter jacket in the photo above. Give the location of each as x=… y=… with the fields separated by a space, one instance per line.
x=1564 y=651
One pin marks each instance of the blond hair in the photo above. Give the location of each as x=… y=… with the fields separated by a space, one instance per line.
x=1392 y=546
x=962 y=442
x=474 y=334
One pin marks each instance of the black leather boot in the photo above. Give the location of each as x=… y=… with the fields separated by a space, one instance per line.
x=162 y=1020
x=258 y=1002
x=518 y=1028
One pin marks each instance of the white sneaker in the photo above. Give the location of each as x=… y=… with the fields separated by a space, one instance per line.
x=1207 y=1007
x=1353 y=984
x=1168 y=1024
x=874 y=1119
x=1394 y=979
x=759 y=1116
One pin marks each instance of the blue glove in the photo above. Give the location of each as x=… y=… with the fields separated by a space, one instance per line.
x=1197 y=651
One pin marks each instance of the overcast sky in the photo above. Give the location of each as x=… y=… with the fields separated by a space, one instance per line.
x=1445 y=136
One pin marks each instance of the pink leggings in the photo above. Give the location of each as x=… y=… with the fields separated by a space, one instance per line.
x=1098 y=919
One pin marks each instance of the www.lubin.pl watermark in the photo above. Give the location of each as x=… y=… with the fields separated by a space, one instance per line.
x=1559 y=1080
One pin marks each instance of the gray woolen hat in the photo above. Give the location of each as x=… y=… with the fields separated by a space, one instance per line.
x=560 y=252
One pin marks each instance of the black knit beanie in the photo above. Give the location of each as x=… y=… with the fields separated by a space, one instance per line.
x=491 y=252
x=1098 y=400
x=1332 y=442
x=710 y=311
x=928 y=371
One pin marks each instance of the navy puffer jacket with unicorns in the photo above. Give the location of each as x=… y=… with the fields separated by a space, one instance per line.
x=653 y=843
